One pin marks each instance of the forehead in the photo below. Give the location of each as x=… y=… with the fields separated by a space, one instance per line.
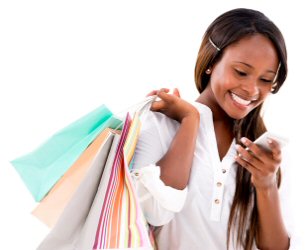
x=256 y=50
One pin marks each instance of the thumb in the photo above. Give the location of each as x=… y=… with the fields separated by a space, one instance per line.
x=176 y=92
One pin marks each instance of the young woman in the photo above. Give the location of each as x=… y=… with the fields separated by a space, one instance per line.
x=201 y=180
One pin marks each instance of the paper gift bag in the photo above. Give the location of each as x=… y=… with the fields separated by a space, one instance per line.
x=114 y=217
x=42 y=168
x=87 y=233
x=121 y=223
x=66 y=232
x=56 y=200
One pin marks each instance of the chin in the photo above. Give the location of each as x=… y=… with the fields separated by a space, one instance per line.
x=238 y=115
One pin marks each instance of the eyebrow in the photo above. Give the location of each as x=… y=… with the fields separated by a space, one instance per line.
x=250 y=66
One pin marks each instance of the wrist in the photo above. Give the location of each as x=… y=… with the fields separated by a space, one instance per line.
x=193 y=116
x=266 y=190
x=264 y=183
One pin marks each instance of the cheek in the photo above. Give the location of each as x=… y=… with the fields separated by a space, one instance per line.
x=223 y=84
x=265 y=91
x=229 y=83
x=264 y=94
x=220 y=79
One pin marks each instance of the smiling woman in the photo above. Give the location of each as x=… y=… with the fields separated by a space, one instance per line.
x=237 y=69
x=244 y=75
x=61 y=59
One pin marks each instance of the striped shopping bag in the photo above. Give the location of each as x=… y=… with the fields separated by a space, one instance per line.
x=122 y=224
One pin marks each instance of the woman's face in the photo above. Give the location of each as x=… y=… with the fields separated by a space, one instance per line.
x=243 y=78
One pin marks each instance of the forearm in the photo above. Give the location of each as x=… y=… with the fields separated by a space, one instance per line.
x=176 y=163
x=272 y=233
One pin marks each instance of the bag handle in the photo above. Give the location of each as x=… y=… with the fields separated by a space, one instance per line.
x=141 y=108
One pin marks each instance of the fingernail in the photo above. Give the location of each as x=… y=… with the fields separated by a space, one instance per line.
x=243 y=140
x=269 y=141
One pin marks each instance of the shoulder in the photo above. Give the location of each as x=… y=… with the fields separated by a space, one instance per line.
x=202 y=108
x=158 y=121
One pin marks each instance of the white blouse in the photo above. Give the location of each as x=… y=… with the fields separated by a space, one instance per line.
x=196 y=217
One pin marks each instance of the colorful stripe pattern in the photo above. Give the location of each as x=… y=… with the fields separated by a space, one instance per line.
x=121 y=223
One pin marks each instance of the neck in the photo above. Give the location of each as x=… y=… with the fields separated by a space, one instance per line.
x=223 y=124
x=219 y=115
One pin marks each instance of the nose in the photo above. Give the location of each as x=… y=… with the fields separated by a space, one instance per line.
x=251 y=87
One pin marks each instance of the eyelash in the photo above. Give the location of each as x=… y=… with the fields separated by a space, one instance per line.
x=242 y=74
x=266 y=81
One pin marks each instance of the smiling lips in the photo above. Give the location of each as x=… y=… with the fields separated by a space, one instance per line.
x=240 y=100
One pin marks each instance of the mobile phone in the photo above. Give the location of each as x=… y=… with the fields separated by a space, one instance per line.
x=263 y=140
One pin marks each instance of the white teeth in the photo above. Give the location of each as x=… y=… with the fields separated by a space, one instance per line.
x=240 y=100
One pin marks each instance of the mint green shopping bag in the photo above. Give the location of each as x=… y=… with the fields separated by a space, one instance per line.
x=43 y=167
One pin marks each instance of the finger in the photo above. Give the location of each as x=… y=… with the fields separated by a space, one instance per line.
x=166 y=90
x=163 y=95
x=247 y=156
x=176 y=92
x=154 y=92
x=275 y=150
x=245 y=164
x=255 y=149
x=157 y=105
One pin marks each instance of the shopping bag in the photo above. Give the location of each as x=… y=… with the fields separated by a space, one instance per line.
x=66 y=232
x=79 y=226
x=87 y=233
x=53 y=204
x=42 y=168
x=121 y=223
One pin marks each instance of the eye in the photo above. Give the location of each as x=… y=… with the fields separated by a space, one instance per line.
x=266 y=80
x=240 y=73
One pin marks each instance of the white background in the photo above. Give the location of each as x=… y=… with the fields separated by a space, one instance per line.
x=59 y=60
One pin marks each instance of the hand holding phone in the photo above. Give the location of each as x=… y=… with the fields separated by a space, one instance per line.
x=263 y=140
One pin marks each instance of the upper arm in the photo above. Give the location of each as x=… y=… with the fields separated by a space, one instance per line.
x=158 y=201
